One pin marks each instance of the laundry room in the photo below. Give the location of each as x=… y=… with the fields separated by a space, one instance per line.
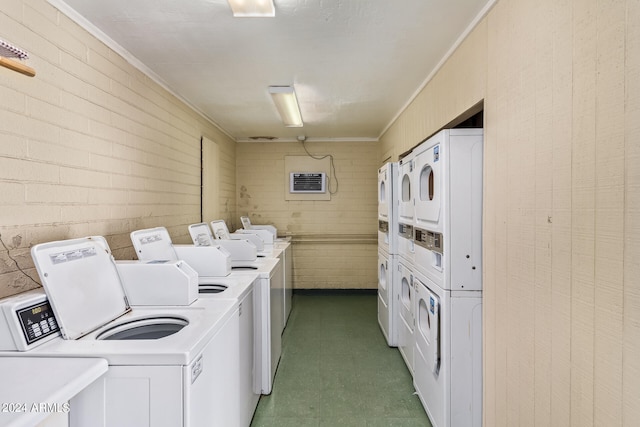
x=126 y=159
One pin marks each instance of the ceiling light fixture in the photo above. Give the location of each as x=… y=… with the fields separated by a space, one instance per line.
x=284 y=97
x=252 y=8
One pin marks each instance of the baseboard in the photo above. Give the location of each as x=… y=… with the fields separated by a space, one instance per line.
x=335 y=291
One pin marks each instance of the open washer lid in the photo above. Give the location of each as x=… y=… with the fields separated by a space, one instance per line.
x=82 y=283
x=153 y=244
x=220 y=230
x=201 y=234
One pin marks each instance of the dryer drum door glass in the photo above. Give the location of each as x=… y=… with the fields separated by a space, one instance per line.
x=426 y=183
x=406 y=188
x=429 y=326
x=406 y=293
x=429 y=182
x=382 y=275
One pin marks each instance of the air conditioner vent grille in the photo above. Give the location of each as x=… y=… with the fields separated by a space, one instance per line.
x=307 y=182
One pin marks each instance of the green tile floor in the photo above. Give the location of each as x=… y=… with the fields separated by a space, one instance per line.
x=337 y=370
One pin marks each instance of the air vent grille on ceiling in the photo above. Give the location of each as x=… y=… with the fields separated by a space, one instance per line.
x=307 y=182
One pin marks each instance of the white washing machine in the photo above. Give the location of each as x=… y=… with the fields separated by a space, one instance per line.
x=405 y=288
x=274 y=246
x=269 y=312
x=282 y=249
x=286 y=256
x=240 y=288
x=448 y=354
x=165 y=364
x=155 y=243
x=448 y=208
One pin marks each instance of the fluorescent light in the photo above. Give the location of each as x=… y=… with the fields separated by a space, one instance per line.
x=287 y=104
x=252 y=8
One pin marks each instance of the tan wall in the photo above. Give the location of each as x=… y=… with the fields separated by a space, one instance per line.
x=335 y=242
x=90 y=146
x=561 y=88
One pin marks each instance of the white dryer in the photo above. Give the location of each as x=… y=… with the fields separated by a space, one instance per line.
x=165 y=367
x=387 y=176
x=405 y=296
x=406 y=189
x=448 y=208
x=387 y=208
x=448 y=354
x=406 y=207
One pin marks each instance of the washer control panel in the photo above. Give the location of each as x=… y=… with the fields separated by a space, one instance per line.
x=37 y=322
x=27 y=321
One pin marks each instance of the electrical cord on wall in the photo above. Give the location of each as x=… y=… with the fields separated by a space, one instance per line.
x=16 y=262
x=303 y=139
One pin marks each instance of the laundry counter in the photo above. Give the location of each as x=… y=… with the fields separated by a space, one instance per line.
x=38 y=389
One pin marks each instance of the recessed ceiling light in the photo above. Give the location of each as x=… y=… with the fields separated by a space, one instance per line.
x=252 y=8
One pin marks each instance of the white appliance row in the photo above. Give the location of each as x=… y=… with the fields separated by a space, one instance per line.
x=436 y=276
x=187 y=343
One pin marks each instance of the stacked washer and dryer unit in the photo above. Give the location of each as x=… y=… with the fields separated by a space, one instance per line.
x=439 y=274
x=387 y=252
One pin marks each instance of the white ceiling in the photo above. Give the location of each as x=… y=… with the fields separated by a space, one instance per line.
x=355 y=64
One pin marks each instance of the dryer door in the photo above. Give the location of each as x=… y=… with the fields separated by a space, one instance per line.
x=384 y=192
x=406 y=190
x=428 y=322
x=429 y=188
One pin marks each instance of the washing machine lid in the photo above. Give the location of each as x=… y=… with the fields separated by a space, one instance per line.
x=201 y=234
x=153 y=244
x=220 y=229
x=82 y=283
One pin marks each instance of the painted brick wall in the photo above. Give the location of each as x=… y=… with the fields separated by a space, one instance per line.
x=90 y=146
x=335 y=242
x=561 y=87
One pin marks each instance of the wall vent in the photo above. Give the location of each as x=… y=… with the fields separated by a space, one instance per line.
x=305 y=182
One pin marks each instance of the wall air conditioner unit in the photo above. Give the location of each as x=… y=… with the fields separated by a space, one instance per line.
x=303 y=182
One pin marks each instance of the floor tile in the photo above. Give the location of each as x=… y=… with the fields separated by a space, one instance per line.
x=337 y=370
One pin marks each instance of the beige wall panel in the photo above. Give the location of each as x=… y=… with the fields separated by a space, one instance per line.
x=543 y=206
x=609 y=216
x=91 y=146
x=583 y=211
x=631 y=294
x=323 y=232
x=493 y=355
x=318 y=265
x=562 y=113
